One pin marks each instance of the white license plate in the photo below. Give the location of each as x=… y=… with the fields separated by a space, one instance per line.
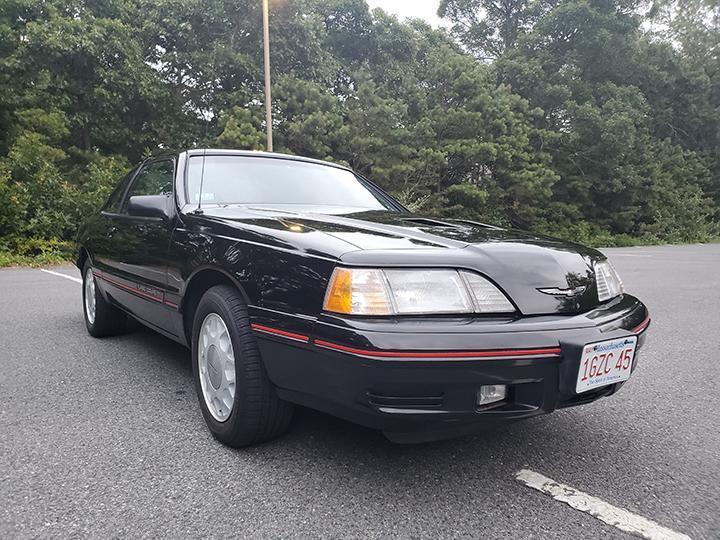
x=605 y=362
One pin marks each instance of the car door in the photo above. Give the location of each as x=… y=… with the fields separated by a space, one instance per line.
x=134 y=253
x=102 y=227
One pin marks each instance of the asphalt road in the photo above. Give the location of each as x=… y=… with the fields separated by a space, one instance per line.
x=105 y=438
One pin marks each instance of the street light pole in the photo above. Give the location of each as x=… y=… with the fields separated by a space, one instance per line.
x=266 y=47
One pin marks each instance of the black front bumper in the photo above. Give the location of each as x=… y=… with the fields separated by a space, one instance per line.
x=418 y=380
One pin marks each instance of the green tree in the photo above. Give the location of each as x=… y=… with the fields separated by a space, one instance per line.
x=595 y=119
x=616 y=102
x=488 y=28
x=240 y=129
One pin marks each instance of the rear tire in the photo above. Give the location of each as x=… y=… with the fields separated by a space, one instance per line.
x=101 y=318
x=237 y=399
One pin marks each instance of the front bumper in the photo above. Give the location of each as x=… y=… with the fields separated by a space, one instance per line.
x=417 y=379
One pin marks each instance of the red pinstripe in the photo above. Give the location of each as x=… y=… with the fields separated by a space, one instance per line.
x=551 y=351
x=642 y=326
x=277 y=332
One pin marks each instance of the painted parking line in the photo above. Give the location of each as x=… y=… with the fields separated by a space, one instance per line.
x=605 y=512
x=72 y=278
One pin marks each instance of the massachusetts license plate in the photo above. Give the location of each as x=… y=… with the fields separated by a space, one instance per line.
x=605 y=362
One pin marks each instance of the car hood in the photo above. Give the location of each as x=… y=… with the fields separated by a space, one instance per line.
x=518 y=262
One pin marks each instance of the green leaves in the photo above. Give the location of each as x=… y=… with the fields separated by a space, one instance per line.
x=627 y=119
x=240 y=129
x=562 y=116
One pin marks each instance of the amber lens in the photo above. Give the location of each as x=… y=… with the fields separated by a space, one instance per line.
x=358 y=291
x=339 y=294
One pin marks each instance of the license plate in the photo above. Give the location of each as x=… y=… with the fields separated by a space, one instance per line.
x=605 y=362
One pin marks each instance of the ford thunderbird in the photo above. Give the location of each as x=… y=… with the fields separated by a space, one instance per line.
x=296 y=281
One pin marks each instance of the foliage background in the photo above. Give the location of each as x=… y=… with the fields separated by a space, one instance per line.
x=594 y=120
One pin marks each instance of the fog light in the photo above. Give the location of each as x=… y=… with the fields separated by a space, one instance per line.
x=491 y=393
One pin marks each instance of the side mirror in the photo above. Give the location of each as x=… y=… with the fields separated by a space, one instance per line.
x=150 y=206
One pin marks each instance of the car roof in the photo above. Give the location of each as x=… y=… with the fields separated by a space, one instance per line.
x=258 y=153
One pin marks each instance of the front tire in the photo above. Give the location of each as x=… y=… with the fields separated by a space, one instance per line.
x=236 y=397
x=101 y=318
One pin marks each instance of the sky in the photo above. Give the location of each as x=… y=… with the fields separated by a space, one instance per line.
x=422 y=9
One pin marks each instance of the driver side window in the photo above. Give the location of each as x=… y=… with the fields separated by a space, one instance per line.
x=156 y=178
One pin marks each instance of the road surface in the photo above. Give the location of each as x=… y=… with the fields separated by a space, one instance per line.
x=105 y=437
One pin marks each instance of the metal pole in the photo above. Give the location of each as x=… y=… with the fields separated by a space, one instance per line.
x=268 y=99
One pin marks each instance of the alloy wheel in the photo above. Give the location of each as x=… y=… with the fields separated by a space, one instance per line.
x=90 y=301
x=216 y=363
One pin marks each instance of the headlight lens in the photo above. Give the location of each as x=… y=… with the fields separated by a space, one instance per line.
x=428 y=291
x=609 y=284
x=362 y=291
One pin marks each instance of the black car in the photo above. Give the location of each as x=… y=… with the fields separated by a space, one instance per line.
x=296 y=281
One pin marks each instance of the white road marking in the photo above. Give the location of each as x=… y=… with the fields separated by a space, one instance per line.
x=72 y=278
x=612 y=515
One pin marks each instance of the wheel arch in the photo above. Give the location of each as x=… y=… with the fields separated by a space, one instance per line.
x=199 y=282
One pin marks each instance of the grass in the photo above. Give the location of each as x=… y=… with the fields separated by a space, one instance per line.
x=19 y=251
x=13 y=259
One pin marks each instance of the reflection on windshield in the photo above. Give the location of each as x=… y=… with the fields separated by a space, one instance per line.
x=277 y=184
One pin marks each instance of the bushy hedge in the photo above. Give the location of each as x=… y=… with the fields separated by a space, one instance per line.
x=568 y=118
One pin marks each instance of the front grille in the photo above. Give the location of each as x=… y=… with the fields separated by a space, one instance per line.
x=406 y=402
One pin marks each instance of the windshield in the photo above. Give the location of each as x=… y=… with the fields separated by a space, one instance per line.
x=275 y=182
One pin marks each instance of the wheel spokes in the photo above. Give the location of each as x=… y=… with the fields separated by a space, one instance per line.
x=215 y=346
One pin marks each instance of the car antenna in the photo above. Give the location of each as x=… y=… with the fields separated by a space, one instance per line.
x=198 y=210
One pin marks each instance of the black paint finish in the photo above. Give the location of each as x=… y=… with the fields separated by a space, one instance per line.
x=156 y=264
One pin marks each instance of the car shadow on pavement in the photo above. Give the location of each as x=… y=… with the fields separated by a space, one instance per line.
x=315 y=437
x=159 y=348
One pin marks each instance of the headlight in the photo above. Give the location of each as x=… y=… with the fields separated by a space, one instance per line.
x=609 y=284
x=362 y=291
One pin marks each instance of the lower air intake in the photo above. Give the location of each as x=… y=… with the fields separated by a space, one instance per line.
x=405 y=402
